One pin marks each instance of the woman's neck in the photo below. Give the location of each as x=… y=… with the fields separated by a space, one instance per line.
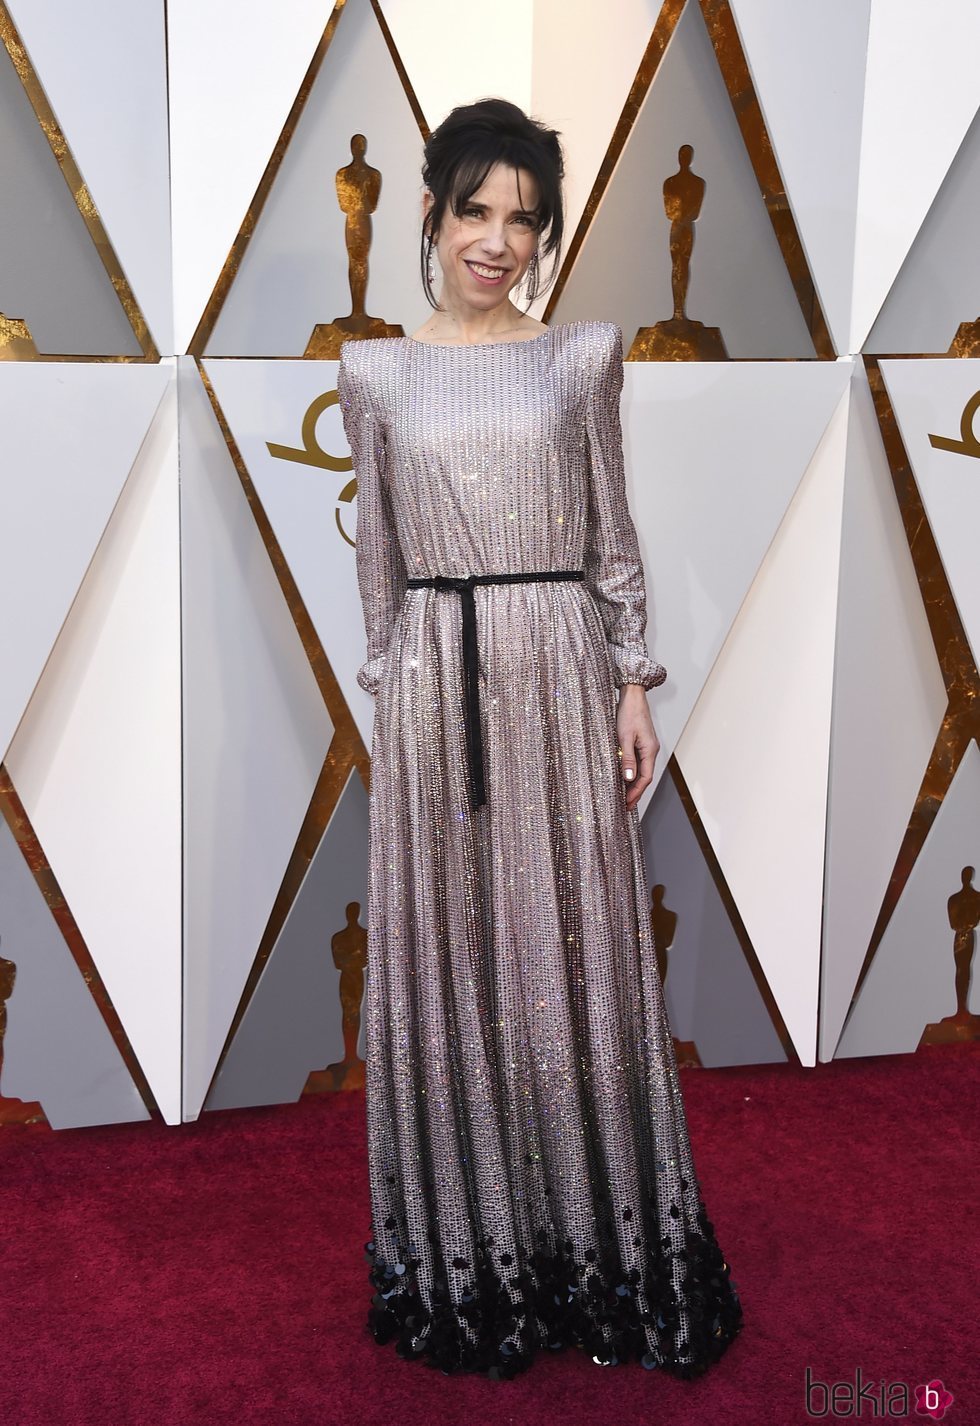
x=472 y=327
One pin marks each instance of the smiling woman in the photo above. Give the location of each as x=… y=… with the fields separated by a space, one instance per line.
x=489 y=234
x=484 y=219
x=532 y=1183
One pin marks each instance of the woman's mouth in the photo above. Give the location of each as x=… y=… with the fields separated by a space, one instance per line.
x=489 y=276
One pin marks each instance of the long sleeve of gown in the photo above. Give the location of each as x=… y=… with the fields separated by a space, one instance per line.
x=381 y=573
x=613 y=567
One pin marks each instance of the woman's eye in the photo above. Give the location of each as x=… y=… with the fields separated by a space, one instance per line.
x=524 y=218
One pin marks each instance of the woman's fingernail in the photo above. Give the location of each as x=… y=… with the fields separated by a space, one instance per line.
x=628 y=774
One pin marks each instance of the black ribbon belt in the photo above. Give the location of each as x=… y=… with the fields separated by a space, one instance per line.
x=471 y=655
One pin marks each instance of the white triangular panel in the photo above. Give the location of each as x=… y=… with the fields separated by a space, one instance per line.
x=256 y=733
x=938 y=287
x=71 y=433
x=714 y=453
x=96 y=759
x=491 y=55
x=738 y=281
x=234 y=74
x=585 y=114
x=807 y=62
x=755 y=750
x=912 y=980
x=103 y=67
x=294 y=1020
x=709 y=986
x=922 y=92
x=295 y=272
x=885 y=660
x=57 y=1048
x=51 y=274
x=266 y=402
x=929 y=398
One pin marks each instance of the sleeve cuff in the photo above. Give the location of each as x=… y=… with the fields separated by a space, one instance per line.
x=369 y=674
x=637 y=668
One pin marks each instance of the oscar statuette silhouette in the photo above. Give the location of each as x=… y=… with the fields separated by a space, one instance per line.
x=680 y=338
x=358 y=191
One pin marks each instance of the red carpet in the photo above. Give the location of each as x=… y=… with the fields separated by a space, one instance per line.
x=214 y=1273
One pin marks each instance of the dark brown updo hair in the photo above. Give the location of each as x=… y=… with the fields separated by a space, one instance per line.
x=461 y=152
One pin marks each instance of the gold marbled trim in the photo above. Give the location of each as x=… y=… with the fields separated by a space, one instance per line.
x=735 y=72
x=14 y=814
x=79 y=192
x=966 y=338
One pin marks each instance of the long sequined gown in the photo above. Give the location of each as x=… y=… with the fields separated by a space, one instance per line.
x=531 y=1177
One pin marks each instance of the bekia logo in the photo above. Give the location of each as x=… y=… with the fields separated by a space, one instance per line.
x=875 y=1400
x=933 y=1400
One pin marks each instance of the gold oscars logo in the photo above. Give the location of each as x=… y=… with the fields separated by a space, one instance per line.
x=968 y=443
x=312 y=453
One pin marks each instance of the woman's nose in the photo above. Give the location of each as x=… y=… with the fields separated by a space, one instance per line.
x=493 y=238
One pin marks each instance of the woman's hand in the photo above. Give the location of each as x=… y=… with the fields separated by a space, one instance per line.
x=638 y=742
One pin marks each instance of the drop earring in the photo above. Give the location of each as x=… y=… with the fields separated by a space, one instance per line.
x=430 y=266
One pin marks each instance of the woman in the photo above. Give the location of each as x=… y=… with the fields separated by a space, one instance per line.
x=531 y=1178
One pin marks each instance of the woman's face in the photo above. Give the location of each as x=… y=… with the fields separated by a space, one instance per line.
x=484 y=252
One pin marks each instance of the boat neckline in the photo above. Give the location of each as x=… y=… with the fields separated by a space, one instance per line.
x=473 y=346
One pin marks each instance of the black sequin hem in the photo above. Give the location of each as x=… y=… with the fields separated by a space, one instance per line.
x=494 y=1326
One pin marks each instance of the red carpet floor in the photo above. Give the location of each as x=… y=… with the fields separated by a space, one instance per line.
x=214 y=1273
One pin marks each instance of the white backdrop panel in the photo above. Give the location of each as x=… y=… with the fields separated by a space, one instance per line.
x=235 y=70
x=711 y=993
x=714 y=452
x=885 y=661
x=570 y=35
x=738 y=279
x=57 y=1048
x=755 y=749
x=256 y=733
x=295 y=270
x=912 y=979
x=491 y=52
x=51 y=273
x=71 y=434
x=807 y=61
x=922 y=91
x=96 y=758
x=937 y=287
x=929 y=398
x=103 y=66
x=294 y=1020
x=265 y=402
